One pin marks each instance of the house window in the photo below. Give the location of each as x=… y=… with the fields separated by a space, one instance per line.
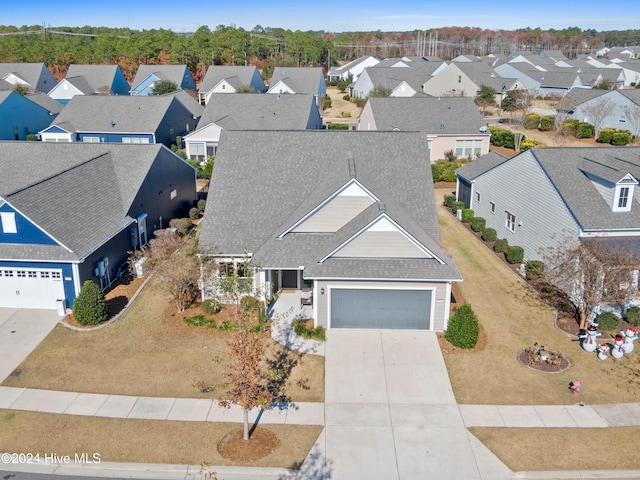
x=477 y=147
x=44 y=274
x=21 y=273
x=622 y=202
x=459 y=147
x=174 y=194
x=196 y=151
x=492 y=207
x=8 y=273
x=8 y=220
x=459 y=78
x=478 y=197
x=622 y=120
x=511 y=222
x=32 y=274
x=56 y=275
x=91 y=139
x=136 y=140
x=142 y=230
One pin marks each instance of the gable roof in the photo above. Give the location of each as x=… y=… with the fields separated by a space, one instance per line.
x=235 y=75
x=481 y=165
x=195 y=108
x=28 y=72
x=252 y=111
x=566 y=168
x=578 y=96
x=104 y=179
x=46 y=102
x=173 y=73
x=427 y=114
x=390 y=77
x=98 y=77
x=112 y=113
x=80 y=83
x=299 y=79
x=292 y=173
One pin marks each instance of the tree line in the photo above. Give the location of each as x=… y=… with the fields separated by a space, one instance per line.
x=267 y=47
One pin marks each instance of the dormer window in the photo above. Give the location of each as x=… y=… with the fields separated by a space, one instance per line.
x=622 y=199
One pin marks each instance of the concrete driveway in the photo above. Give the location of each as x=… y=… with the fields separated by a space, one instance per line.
x=21 y=330
x=390 y=412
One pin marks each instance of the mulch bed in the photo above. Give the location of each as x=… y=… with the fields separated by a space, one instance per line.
x=118 y=296
x=261 y=443
x=530 y=358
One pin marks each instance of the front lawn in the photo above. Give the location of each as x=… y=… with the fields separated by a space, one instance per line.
x=148 y=353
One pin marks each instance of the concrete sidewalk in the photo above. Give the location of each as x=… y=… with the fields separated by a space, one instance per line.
x=153 y=408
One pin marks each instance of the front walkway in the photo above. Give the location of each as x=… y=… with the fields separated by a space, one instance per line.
x=283 y=312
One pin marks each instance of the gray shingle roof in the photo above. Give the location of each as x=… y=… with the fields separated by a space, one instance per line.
x=30 y=72
x=391 y=77
x=235 y=75
x=82 y=197
x=81 y=84
x=195 y=107
x=131 y=114
x=251 y=111
x=173 y=73
x=481 y=165
x=427 y=114
x=299 y=79
x=566 y=166
x=99 y=77
x=46 y=102
x=257 y=193
x=578 y=96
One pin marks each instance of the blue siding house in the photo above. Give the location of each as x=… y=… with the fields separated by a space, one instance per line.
x=147 y=75
x=121 y=119
x=76 y=219
x=19 y=116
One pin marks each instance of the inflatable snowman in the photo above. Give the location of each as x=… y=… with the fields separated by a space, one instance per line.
x=603 y=351
x=589 y=342
x=629 y=336
x=617 y=352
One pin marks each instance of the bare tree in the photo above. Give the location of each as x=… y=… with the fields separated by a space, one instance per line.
x=633 y=116
x=597 y=111
x=591 y=272
x=562 y=115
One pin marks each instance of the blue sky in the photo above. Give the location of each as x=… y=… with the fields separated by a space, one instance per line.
x=330 y=15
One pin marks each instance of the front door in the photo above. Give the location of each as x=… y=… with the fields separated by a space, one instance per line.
x=289 y=279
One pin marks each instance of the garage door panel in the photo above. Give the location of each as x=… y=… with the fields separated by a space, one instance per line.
x=30 y=287
x=376 y=308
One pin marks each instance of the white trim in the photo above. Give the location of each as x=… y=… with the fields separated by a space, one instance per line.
x=346 y=186
x=368 y=226
x=447 y=305
x=76 y=278
x=381 y=287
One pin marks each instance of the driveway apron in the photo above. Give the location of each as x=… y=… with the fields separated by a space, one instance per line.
x=391 y=412
x=21 y=330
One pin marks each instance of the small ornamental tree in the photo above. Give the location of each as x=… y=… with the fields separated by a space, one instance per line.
x=463 y=330
x=162 y=87
x=90 y=306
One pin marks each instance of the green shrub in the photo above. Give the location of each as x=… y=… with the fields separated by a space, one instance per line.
x=449 y=176
x=621 y=137
x=467 y=215
x=478 y=224
x=515 y=254
x=338 y=126
x=584 y=130
x=448 y=200
x=194 y=213
x=566 y=307
x=250 y=303
x=347 y=97
x=444 y=170
x=90 y=306
x=547 y=289
x=327 y=102
x=501 y=137
x=202 y=204
x=527 y=144
x=227 y=326
x=571 y=126
x=489 y=235
x=211 y=306
x=547 y=123
x=182 y=225
x=606 y=135
x=32 y=137
x=608 y=321
x=300 y=329
x=457 y=206
x=633 y=316
x=534 y=269
x=463 y=330
x=360 y=102
x=198 y=321
x=531 y=120
x=501 y=245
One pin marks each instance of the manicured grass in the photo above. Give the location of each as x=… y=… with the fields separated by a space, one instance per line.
x=514 y=317
x=142 y=441
x=146 y=353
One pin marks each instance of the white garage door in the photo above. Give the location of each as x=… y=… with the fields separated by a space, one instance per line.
x=30 y=287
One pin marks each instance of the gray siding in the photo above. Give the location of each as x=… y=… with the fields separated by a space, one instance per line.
x=440 y=303
x=521 y=187
x=381 y=245
x=335 y=214
x=604 y=188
